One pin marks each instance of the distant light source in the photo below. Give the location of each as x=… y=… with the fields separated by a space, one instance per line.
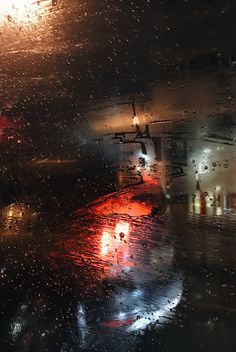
x=207 y=151
x=14 y=5
x=135 y=120
x=18 y=11
x=144 y=156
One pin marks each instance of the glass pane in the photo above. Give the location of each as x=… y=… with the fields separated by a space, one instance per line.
x=117 y=175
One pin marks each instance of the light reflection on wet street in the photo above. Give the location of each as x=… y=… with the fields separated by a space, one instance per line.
x=108 y=280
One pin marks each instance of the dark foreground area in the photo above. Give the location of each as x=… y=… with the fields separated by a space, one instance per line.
x=126 y=273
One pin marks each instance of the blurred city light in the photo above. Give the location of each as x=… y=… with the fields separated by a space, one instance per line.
x=20 y=12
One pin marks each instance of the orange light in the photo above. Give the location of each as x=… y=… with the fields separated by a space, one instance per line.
x=135 y=120
x=18 y=11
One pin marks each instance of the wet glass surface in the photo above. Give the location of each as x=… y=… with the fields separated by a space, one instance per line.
x=117 y=175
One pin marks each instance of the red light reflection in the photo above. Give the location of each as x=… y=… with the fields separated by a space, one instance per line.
x=113 y=243
x=103 y=236
x=132 y=201
x=106 y=243
x=9 y=130
x=122 y=228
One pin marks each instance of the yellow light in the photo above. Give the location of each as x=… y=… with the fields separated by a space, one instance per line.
x=10 y=213
x=17 y=11
x=135 y=120
x=11 y=6
x=15 y=4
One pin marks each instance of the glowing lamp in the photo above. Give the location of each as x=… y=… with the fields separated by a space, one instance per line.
x=135 y=120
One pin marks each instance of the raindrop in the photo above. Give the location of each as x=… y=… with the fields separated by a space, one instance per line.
x=122 y=235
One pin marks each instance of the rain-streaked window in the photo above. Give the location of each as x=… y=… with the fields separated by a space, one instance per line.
x=117 y=175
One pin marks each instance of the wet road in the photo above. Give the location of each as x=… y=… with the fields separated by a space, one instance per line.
x=125 y=273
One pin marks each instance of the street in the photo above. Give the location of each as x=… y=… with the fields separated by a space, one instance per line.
x=117 y=276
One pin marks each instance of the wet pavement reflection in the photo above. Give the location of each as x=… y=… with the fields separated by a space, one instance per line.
x=120 y=275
